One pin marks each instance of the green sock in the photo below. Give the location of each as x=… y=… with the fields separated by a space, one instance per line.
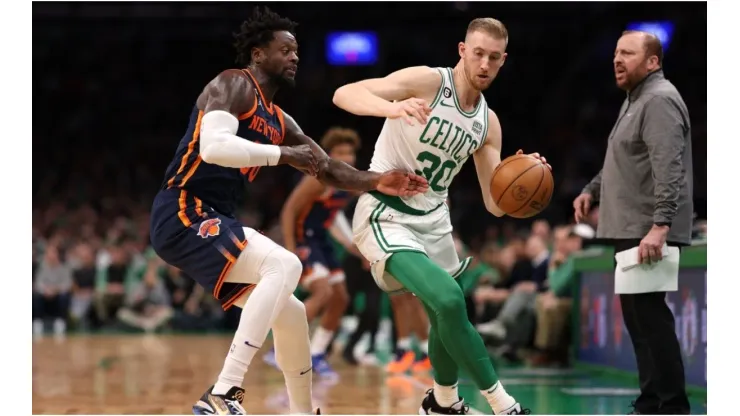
x=445 y=368
x=445 y=302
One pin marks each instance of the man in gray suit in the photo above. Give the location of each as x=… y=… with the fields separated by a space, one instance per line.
x=644 y=191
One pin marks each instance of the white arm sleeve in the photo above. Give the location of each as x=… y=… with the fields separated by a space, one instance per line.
x=220 y=145
x=341 y=226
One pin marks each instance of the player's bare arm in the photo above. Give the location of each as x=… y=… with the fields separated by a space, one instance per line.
x=222 y=100
x=488 y=157
x=343 y=176
x=308 y=190
x=405 y=93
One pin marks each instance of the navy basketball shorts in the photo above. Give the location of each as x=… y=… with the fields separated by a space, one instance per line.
x=205 y=245
x=319 y=262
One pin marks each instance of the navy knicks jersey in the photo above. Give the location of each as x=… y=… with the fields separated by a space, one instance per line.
x=216 y=185
x=314 y=222
x=192 y=224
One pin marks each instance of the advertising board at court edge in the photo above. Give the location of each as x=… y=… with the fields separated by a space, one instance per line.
x=604 y=339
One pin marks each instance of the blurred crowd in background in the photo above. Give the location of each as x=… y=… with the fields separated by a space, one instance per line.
x=121 y=80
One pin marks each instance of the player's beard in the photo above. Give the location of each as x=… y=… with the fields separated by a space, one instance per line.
x=474 y=80
x=283 y=81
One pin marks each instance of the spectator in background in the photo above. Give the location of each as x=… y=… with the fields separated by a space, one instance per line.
x=147 y=306
x=83 y=277
x=553 y=307
x=523 y=290
x=52 y=287
x=194 y=310
x=490 y=296
x=110 y=284
x=541 y=229
x=479 y=272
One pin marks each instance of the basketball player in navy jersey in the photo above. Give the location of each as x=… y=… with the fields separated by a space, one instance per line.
x=235 y=129
x=313 y=213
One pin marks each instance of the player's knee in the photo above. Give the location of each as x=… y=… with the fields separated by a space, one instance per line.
x=451 y=305
x=292 y=316
x=340 y=297
x=287 y=265
x=321 y=290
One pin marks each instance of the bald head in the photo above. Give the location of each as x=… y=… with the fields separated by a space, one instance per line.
x=650 y=43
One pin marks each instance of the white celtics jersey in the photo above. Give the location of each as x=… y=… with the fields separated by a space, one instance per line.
x=436 y=150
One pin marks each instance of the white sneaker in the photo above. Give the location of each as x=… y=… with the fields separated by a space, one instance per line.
x=60 y=327
x=493 y=328
x=368 y=360
x=38 y=328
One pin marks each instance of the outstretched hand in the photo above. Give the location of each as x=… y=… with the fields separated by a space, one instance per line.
x=401 y=183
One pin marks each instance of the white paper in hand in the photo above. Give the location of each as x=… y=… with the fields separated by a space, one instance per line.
x=631 y=277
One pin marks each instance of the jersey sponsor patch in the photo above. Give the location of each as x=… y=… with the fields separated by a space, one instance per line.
x=477 y=127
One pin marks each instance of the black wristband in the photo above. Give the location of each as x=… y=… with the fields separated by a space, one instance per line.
x=663 y=224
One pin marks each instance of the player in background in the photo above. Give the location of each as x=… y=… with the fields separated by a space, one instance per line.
x=409 y=317
x=436 y=118
x=311 y=215
x=234 y=130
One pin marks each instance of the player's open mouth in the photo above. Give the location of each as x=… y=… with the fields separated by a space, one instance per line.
x=483 y=77
x=291 y=71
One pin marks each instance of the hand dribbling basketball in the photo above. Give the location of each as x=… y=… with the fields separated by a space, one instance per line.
x=536 y=156
x=522 y=185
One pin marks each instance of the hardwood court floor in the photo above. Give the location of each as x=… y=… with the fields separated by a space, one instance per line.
x=165 y=374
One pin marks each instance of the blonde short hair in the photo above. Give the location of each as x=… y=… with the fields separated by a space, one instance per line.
x=490 y=26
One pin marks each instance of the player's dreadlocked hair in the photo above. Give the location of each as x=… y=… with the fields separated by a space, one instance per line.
x=258 y=31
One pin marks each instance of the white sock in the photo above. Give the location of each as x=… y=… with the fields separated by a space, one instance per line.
x=424 y=346
x=404 y=343
x=237 y=362
x=445 y=396
x=299 y=390
x=320 y=340
x=290 y=333
x=498 y=398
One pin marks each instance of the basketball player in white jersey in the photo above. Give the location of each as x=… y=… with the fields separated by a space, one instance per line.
x=436 y=118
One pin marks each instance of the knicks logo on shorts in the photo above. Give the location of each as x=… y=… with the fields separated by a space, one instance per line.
x=209 y=228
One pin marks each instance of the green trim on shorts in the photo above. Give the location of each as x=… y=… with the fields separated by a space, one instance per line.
x=463 y=266
x=380 y=238
x=398 y=204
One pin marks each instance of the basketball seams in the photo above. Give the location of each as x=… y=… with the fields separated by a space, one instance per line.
x=542 y=178
x=514 y=180
x=501 y=165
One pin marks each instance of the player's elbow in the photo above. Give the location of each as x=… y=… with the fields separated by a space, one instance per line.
x=207 y=153
x=496 y=212
x=340 y=95
x=213 y=153
x=494 y=209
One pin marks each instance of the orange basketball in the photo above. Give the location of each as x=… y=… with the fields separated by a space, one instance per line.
x=522 y=186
